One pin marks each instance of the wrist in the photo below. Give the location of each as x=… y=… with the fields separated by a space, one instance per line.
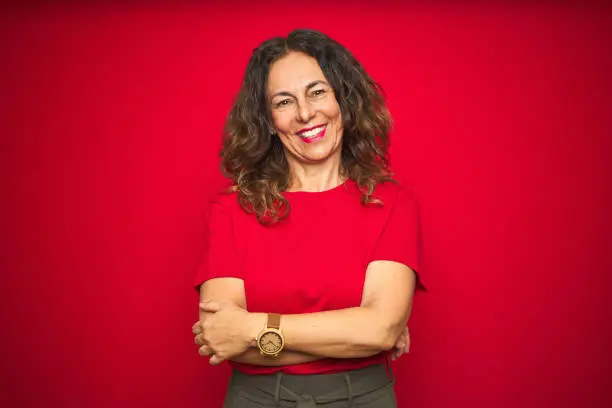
x=256 y=323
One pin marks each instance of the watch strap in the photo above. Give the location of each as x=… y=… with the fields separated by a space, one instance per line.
x=274 y=320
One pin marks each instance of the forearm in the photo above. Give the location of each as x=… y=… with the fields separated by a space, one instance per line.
x=287 y=357
x=346 y=333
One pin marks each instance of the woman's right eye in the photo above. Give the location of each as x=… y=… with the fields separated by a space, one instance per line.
x=283 y=103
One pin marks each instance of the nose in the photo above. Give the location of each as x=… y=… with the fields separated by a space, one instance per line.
x=305 y=111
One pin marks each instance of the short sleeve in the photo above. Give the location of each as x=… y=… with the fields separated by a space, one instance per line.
x=399 y=240
x=220 y=256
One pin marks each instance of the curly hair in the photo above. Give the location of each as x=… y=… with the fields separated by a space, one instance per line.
x=254 y=158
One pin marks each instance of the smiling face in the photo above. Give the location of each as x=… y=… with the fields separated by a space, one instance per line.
x=305 y=112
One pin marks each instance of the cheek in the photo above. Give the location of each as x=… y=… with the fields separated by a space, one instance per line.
x=336 y=117
x=281 y=122
x=283 y=134
x=334 y=112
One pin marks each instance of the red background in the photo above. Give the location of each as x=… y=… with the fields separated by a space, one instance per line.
x=111 y=122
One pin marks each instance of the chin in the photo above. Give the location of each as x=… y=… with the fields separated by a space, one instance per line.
x=319 y=155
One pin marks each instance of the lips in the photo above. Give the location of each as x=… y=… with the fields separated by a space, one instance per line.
x=310 y=129
x=312 y=134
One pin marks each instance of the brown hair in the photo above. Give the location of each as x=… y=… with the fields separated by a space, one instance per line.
x=254 y=158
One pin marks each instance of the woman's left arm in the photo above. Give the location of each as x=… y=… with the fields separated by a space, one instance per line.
x=361 y=331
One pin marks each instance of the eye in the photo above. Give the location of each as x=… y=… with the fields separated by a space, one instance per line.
x=282 y=103
x=319 y=92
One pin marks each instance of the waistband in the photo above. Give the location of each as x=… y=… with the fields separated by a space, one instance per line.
x=309 y=390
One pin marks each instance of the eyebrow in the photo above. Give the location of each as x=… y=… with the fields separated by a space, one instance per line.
x=308 y=87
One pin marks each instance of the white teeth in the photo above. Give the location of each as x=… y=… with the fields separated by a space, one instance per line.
x=312 y=133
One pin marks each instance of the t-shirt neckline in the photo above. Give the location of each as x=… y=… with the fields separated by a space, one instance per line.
x=339 y=187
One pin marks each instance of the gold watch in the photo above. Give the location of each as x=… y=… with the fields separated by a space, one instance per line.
x=270 y=340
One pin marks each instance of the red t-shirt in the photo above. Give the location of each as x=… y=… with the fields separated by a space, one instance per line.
x=315 y=259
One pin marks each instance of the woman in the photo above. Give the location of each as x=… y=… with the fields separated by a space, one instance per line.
x=314 y=237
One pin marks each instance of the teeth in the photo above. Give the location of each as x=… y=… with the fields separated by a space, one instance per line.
x=312 y=133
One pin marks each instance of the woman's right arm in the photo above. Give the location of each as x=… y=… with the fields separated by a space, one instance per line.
x=254 y=357
x=231 y=290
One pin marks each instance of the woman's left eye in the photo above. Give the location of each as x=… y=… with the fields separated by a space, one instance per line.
x=318 y=92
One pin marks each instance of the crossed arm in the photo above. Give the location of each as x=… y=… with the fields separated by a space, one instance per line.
x=229 y=331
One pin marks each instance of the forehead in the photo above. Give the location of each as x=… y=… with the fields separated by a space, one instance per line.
x=293 y=73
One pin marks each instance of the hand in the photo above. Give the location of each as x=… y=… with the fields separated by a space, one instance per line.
x=198 y=331
x=402 y=344
x=225 y=333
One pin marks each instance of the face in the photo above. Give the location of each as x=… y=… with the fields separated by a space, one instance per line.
x=304 y=109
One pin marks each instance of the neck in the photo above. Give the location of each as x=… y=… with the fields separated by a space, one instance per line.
x=315 y=177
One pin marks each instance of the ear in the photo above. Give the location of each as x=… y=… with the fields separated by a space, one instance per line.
x=269 y=123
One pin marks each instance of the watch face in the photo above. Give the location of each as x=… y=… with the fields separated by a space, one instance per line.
x=271 y=342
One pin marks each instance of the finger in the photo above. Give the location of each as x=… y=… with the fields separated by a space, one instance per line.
x=205 y=351
x=215 y=360
x=407 y=348
x=197 y=327
x=199 y=340
x=210 y=306
x=401 y=337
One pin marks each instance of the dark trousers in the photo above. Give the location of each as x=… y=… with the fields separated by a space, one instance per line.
x=370 y=387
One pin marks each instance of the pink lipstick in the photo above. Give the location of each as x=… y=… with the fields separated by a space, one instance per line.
x=313 y=134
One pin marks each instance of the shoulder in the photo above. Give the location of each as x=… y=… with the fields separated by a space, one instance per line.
x=395 y=194
x=225 y=201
